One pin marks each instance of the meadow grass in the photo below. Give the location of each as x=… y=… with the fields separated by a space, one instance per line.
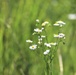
x=17 y=22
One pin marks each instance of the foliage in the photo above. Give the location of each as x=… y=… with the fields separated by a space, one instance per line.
x=17 y=21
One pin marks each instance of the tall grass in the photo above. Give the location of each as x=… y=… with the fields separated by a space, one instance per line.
x=17 y=21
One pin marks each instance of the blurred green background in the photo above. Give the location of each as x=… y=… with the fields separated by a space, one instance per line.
x=17 y=21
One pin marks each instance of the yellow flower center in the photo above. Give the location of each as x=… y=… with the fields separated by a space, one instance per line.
x=32 y=46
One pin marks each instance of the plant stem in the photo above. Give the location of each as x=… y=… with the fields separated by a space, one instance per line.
x=46 y=35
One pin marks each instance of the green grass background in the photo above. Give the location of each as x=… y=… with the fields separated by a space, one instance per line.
x=17 y=21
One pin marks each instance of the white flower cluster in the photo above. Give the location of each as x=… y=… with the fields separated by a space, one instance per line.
x=38 y=30
x=59 y=23
x=41 y=38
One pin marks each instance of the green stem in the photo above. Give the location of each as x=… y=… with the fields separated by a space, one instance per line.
x=46 y=35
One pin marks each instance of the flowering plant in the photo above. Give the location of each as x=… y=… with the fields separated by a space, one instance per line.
x=48 y=48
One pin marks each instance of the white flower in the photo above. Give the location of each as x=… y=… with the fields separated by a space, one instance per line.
x=38 y=30
x=53 y=43
x=40 y=39
x=42 y=36
x=56 y=24
x=60 y=35
x=29 y=41
x=37 y=20
x=42 y=28
x=39 y=42
x=46 y=52
x=60 y=22
x=47 y=44
x=33 y=47
x=45 y=23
